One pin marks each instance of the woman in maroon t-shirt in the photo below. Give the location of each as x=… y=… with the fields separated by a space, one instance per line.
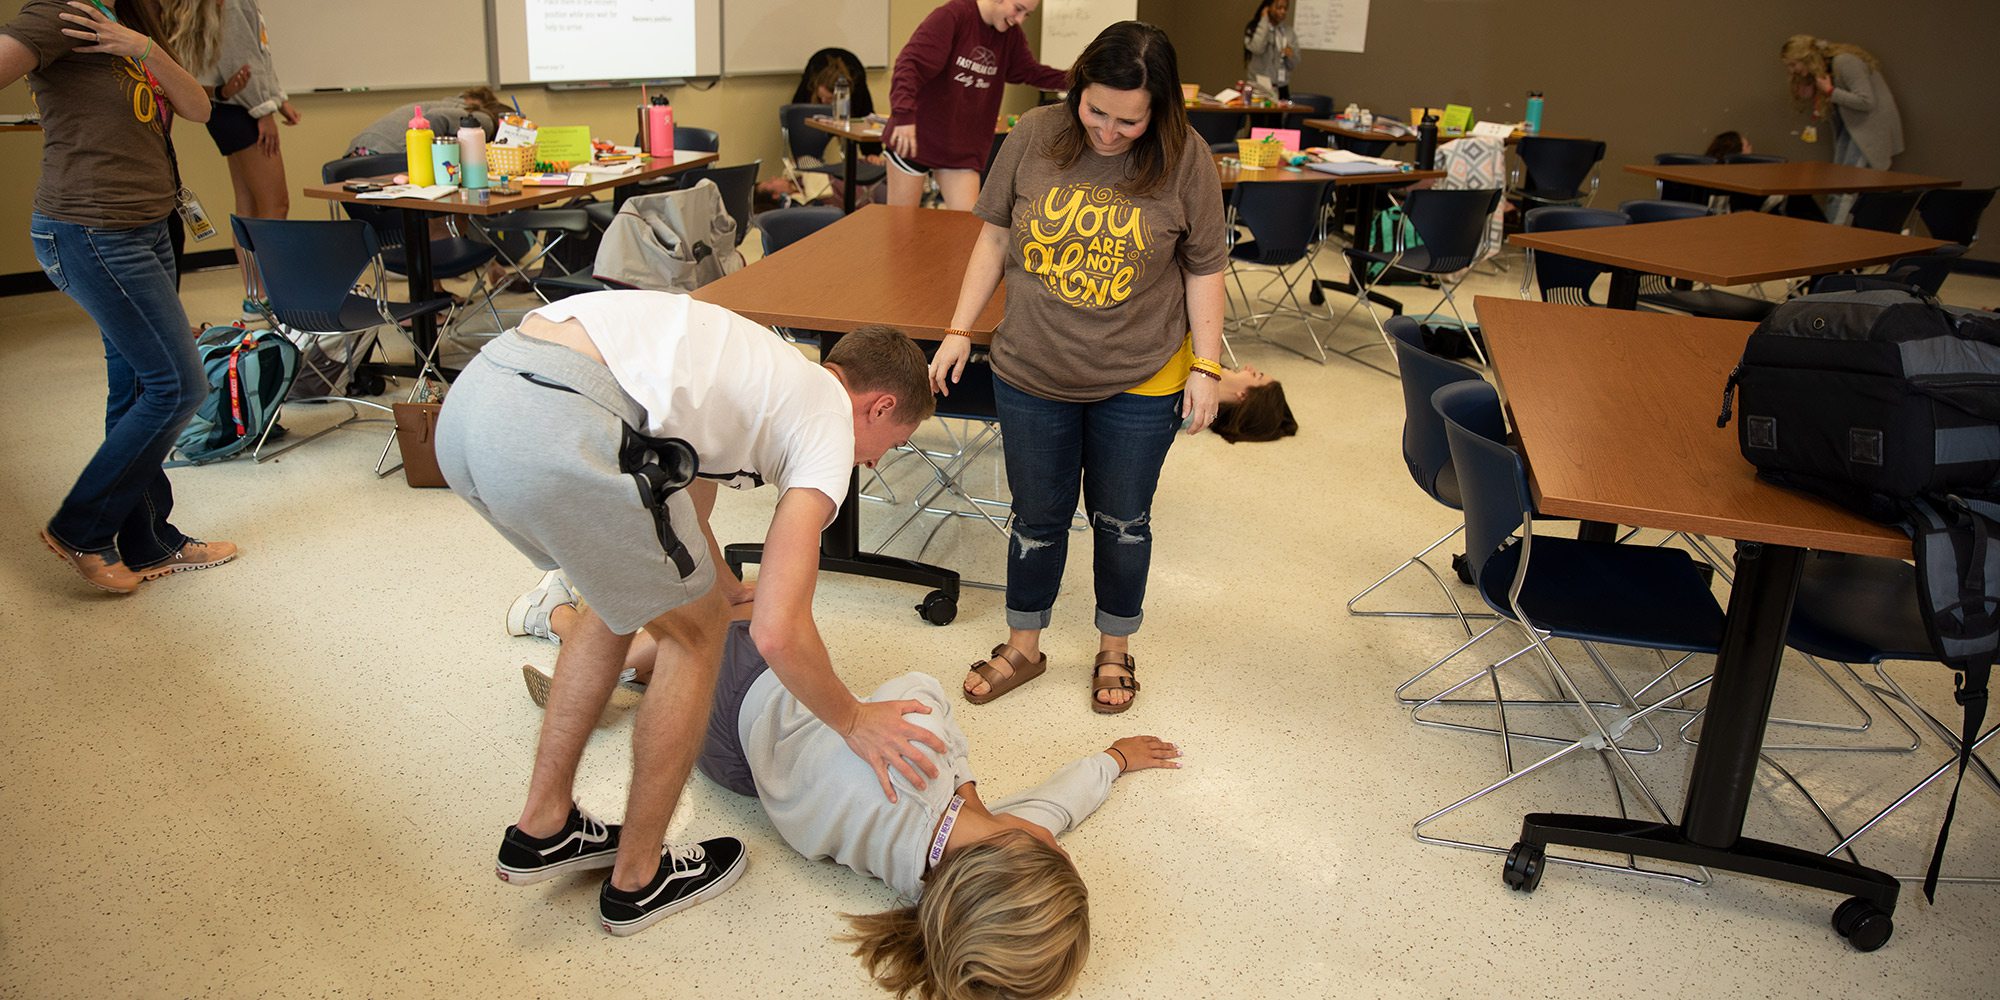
x=947 y=86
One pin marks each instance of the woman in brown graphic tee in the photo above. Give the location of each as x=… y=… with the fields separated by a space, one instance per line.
x=1104 y=216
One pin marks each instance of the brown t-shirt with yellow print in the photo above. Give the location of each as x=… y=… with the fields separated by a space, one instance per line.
x=1096 y=300
x=104 y=143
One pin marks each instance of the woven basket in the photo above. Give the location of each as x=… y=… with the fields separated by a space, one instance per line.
x=510 y=161
x=1258 y=152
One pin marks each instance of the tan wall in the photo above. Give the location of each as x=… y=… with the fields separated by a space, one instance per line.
x=743 y=109
x=1646 y=78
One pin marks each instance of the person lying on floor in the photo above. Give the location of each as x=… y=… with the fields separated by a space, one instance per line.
x=999 y=909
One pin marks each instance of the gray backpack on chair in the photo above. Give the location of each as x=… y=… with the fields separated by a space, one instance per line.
x=672 y=242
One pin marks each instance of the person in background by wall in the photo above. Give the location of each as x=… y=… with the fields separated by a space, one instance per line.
x=1270 y=48
x=227 y=48
x=105 y=84
x=1726 y=144
x=1096 y=365
x=947 y=87
x=1843 y=86
x=385 y=135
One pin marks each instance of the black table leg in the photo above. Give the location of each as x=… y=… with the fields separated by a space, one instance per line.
x=417 y=253
x=847 y=196
x=1624 y=289
x=1725 y=766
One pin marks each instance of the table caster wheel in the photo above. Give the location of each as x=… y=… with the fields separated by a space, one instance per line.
x=1523 y=870
x=938 y=608
x=1863 y=924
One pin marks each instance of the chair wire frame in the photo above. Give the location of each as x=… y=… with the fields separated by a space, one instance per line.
x=1447 y=284
x=1283 y=276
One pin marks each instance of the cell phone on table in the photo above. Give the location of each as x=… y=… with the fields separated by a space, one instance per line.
x=360 y=187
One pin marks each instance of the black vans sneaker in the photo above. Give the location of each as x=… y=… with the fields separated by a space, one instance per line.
x=583 y=842
x=687 y=876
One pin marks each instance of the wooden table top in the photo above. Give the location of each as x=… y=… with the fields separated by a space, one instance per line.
x=1332 y=127
x=1733 y=249
x=1616 y=413
x=1804 y=177
x=1231 y=174
x=899 y=266
x=863 y=130
x=487 y=202
x=1281 y=108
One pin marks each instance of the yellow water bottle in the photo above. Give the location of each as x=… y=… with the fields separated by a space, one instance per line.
x=417 y=149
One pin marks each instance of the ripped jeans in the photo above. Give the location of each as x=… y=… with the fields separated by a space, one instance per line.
x=1113 y=450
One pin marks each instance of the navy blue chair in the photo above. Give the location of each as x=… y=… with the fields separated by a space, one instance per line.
x=1682 y=296
x=1675 y=190
x=803 y=142
x=738 y=186
x=1286 y=223
x=1216 y=127
x=1883 y=211
x=451 y=257
x=310 y=270
x=1591 y=592
x=783 y=227
x=1565 y=279
x=1953 y=213
x=1556 y=171
x=1643 y=210
x=1322 y=107
x=1752 y=202
x=1925 y=272
x=1452 y=227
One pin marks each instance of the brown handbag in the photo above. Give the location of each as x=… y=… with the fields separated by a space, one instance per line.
x=416 y=436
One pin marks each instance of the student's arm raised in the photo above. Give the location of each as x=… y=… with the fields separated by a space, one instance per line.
x=782 y=626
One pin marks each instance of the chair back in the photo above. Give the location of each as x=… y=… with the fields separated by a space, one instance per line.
x=738 y=185
x=1452 y=224
x=1322 y=107
x=1492 y=479
x=1921 y=271
x=1883 y=211
x=388 y=222
x=309 y=267
x=802 y=140
x=783 y=227
x=1557 y=168
x=1215 y=127
x=1676 y=190
x=1567 y=279
x=700 y=139
x=972 y=395
x=1425 y=449
x=1283 y=216
x=992 y=153
x=1953 y=213
x=1750 y=202
x=1643 y=210
x=1364 y=147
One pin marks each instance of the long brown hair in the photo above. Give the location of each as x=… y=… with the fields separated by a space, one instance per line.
x=1130 y=55
x=1817 y=55
x=1004 y=917
x=192 y=32
x=148 y=18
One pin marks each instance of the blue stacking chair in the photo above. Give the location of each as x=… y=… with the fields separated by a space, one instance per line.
x=1286 y=220
x=1592 y=592
x=803 y=142
x=1712 y=303
x=1677 y=191
x=451 y=257
x=310 y=269
x=1451 y=227
x=1883 y=211
x=1556 y=171
x=1565 y=279
x=783 y=227
x=1953 y=213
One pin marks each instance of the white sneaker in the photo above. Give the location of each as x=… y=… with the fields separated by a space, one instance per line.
x=539 y=681
x=530 y=612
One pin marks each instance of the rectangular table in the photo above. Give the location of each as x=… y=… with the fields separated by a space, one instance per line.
x=1801 y=177
x=1333 y=127
x=1734 y=249
x=418 y=212
x=854 y=131
x=899 y=266
x=1616 y=415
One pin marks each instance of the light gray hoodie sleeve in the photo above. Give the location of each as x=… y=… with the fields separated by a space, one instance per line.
x=1061 y=803
x=244 y=44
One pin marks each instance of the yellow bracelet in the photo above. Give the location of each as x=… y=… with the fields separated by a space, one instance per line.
x=1207 y=366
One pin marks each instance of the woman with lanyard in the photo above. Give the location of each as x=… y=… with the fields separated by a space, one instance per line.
x=947 y=85
x=1104 y=215
x=100 y=233
x=1270 y=49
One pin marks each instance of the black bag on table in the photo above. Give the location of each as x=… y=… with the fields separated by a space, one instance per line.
x=1888 y=403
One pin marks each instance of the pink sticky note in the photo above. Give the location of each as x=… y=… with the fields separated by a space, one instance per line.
x=1287 y=137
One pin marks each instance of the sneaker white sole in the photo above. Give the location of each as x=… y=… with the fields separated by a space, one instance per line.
x=517 y=613
x=516 y=876
x=631 y=927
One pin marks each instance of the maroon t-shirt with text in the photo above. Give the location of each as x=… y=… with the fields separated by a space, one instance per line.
x=948 y=82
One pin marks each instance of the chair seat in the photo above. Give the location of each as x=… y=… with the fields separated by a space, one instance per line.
x=537 y=220
x=1710 y=303
x=358 y=312
x=864 y=173
x=449 y=257
x=1249 y=252
x=1414 y=259
x=600 y=212
x=1636 y=595
x=564 y=285
x=1859 y=609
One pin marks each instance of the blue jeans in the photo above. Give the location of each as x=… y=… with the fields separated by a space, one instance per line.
x=124 y=279
x=1114 y=449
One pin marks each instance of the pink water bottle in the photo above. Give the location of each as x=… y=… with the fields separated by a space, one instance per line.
x=660 y=128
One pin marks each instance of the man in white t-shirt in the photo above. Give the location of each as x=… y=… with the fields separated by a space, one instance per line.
x=593 y=438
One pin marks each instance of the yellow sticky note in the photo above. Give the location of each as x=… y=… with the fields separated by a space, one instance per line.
x=563 y=144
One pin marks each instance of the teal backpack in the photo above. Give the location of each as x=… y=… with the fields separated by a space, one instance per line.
x=1382 y=239
x=249 y=372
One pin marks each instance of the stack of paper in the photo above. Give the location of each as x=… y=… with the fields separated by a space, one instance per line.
x=430 y=192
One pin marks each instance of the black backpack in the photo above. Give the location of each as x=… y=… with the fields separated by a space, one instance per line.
x=1888 y=403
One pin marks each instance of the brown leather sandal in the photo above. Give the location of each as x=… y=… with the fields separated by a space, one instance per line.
x=997 y=685
x=1098 y=682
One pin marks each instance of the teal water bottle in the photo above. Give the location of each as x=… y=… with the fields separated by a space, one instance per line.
x=1534 y=123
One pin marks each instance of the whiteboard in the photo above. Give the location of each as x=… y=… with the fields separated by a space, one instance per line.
x=595 y=41
x=1068 y=26
x=1332 y=25
x=778 y=36
x=377 y=44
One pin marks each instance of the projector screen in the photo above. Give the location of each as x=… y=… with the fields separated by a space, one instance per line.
x=581 y=41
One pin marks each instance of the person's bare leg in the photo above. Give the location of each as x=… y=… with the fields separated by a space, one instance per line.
x=246 y=206
x=1112 y=644
x=1027 y=642
x=586 y=671
x=960 y=188
x=639 y=658
x=263 y=178
x=668 y=732
x=905 y=189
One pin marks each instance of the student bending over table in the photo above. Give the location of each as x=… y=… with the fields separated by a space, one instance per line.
x=585 y=438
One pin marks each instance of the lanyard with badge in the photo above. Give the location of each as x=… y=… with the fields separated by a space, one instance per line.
x=186 y=203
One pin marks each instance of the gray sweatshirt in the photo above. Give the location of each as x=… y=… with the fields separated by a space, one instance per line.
x=245 y=43
x=1267 y=43
x=1864 y=112
x=386 y=135
x=826 y=802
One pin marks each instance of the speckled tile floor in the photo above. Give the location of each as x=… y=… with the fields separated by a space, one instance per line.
x=287 y=777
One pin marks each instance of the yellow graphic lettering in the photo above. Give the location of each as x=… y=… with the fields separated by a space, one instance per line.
x=144 y=107
x=1087 y=243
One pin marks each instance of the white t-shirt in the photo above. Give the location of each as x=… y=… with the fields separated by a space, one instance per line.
x=755 y=410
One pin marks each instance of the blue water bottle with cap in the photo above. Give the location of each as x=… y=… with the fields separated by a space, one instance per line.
x=1534 y=123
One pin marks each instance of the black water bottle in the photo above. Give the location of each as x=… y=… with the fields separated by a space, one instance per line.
x=1427 y=143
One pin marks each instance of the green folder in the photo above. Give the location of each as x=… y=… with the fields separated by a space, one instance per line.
x=1457 y=118
x=563 y=144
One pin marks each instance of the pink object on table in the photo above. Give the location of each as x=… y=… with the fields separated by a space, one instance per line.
x=1287 y=137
